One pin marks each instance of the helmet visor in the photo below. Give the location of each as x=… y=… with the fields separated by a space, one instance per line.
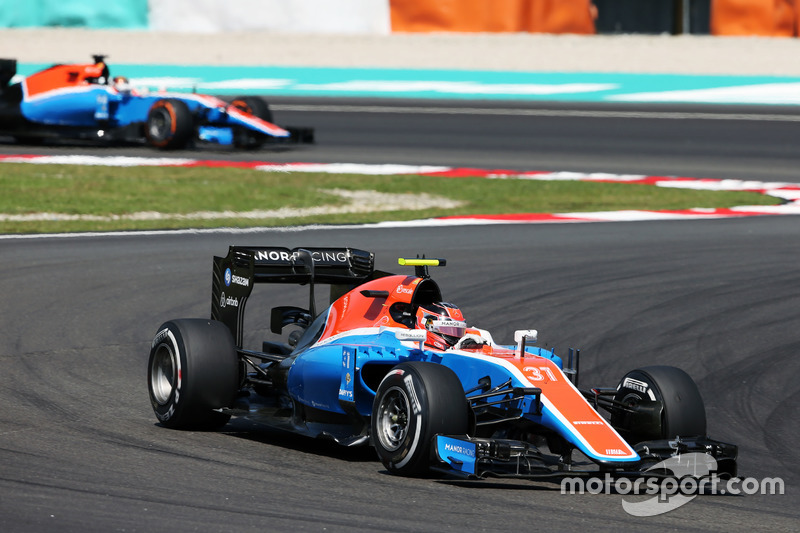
x=452 y=328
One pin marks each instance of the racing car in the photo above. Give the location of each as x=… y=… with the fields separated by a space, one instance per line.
x=82 y=101
x=389 y=363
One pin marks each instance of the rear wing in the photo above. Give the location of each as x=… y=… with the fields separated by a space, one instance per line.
x=8 y=68
x=235 y=274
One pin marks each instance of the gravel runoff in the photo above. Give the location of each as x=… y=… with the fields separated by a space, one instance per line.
x=513 y=52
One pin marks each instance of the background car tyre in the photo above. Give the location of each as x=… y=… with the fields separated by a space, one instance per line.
x=193 y=369
x=169 y=124
x=244 y=138
x=682 y=414
x=414 y=402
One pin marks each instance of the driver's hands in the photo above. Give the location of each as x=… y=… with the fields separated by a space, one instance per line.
x=470 y=341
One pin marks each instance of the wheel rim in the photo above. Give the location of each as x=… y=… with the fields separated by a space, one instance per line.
x=632 y=399
x=160 y=124
x=163 y=374
x=393 y=417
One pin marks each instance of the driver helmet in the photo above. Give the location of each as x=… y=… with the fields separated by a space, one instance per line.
x=122 y=84
x=444 y=322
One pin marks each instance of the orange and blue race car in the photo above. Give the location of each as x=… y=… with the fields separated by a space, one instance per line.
x=83 y=102
x=391 y=364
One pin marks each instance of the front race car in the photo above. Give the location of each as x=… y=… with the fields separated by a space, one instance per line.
x=365 y=370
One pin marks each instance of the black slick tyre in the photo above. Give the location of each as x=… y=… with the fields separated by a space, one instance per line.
x=192 y=370
x=246 y=139
x=169 y=125
x=682 y=412
x=414 y=402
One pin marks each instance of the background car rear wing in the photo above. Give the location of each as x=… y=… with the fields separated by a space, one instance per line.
x=8 y=68
x=235 y=274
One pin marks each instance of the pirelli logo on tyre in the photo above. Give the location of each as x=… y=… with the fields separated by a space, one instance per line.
x=635 y=384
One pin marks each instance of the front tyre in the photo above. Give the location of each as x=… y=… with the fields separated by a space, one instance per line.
x=169 y=125
x=682 y=412
x=193 y=369
x=244 y=138
x=414 y=402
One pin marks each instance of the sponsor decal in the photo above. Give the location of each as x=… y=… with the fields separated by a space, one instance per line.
x=273 y=255
x=319 y=256
x=469 y=451
x=101 y=112
x=228 y=301
x=239 y=280
x=230 y=277
x=635 y=384
x=402 y=290
x=459 y=454
x=329 y=257
x=346 y=395
x=615 y=451
x=413 y=393
x=436 y=343
x=587 y=423
x=160 y=336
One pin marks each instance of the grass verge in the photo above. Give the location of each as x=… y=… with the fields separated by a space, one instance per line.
x=114 y=191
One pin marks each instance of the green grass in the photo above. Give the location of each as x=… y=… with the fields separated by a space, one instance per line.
x=98 y=190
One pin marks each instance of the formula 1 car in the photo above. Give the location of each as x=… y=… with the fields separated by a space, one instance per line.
x=83 y=102
x=388 y=363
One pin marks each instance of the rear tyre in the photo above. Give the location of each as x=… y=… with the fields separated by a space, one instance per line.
x=169 y=124
x=193 y=369
x=414 y=402
x=682 y=412
x=246 y=139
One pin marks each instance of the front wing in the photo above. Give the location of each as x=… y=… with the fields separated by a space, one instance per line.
x=475 y=458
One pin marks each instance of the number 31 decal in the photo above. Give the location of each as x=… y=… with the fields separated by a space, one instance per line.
x=535 y=373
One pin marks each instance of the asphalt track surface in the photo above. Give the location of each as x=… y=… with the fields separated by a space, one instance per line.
x=80 y=449
x=741 y=142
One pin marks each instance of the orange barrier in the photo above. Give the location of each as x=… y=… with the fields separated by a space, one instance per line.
x=536 y=16
x=776 y=18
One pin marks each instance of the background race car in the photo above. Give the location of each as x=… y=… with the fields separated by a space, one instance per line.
x=82 y=101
